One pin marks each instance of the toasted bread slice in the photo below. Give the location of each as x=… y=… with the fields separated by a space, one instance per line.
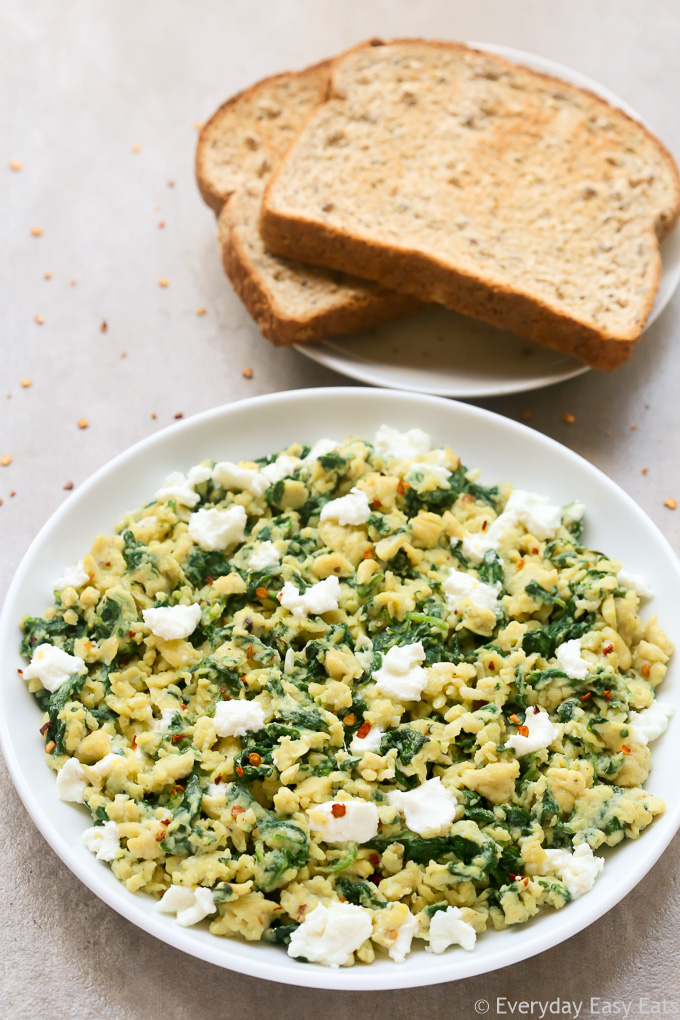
x=236 y=152
x=499 y=192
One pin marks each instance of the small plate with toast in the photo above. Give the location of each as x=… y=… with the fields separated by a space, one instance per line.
x=458 y=220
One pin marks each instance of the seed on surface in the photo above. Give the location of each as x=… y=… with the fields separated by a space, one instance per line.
x=247 y=373
x=36 y=231
x=161 y=224
x=527 y=414
x=154 y=415
x=136 y=148
x=14 y=164
x=198 y=125
x=26 y=383
x=671 y=503
x=83 y=423
x=568 y=419
x=5 y=460
x=47 y=276
x=162 y=282
x=39 y=319
x=180 y=414
x=68 y=486
x=200 y=311
x=104 y=326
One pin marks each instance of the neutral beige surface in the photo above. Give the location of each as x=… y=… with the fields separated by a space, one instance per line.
x=84 y=82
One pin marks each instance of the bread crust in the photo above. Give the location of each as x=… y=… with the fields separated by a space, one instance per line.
x=428 y=278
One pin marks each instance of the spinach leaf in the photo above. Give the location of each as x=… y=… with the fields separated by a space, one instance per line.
x=38 y=631
x=537 y=591
x=135 y=553
x=359 y=892
x=200 y=565
x=57 y=727
x=407 y=741
x=178 y=838
x=491 y=568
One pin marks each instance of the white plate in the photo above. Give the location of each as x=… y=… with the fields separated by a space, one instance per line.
x=505 y=450
x=438 y=351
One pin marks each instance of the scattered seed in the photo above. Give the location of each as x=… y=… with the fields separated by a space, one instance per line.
x=180 y=414
x=136 y=148
x=50 y=747
x=645 y=471
x=12 y=492
x=607 y=432
x=198 y=125
x=73 y=283
x=154 y=415
x=68 y=486
x=5 y=460
x=36 y=231
x=247 y=373
x=104 y=326
x=161 y=224
x=671 y=503
x=633 y=428
x=171 y=184
x=527 y=414
x=200 y=311
x=123 y=354
x=14 y=164
x=39 y=319
x=0 y=502
x=47 y=276
x=83 y=423
x=26 y=383
x=568 y=418
x=162 y=282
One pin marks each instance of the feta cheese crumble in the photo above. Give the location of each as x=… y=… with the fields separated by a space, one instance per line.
x=459 y=586
x=536 y=513
x=353 y=508
x=73 y=577
x=636 y=582
x=363 y=652
x=447 y=928
x=180 y=487
x=283 y=467
x=541 y=732
x=71 y=782
x=104 y=766
x=103 y=841
x=570 y=660
x=578 y=870
x=237 y=717
x=430 y=808
x=401 y=445
x=319 y=598
x=400 y=676
x=189 y=905
x=172 y=622
x=319 y=449
x=266 y=555
x=330 y=935
x=651 y=722
x=438 y=472
x=401 y=946
x=343 y=821
x=217 y=529
x=371 y=742
x=232 y=476
x=52 y=666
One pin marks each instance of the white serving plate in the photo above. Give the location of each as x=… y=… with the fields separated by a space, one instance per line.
x=505 y=451
x=442 y=352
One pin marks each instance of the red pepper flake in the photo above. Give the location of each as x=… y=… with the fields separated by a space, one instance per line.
x=239 y=770
x=645 y=670
x=625 y=748
x=44 y=729
x=376 y=504
x=338 y=810
x=523 y=730
x=237 y=810
x=50 y=747
x=177 y=788
x=587 y=696
x=247 y=373
x=178 y=736
x=368 y=553
x=374 y=859
x=519 y=563
x=254 y=758
x=401 y=487
x=479 y=704
x=134 y=741
x=645 y=471
x=68 y=486
x=217 y=780
x=225 y=694
x=250 y=653
x=349 y=720
x=160 y=835
x=165 y=821
x=182 y=705
x=210 y=579
x=607 y=695
x=515 y=718
x=364 y=730
x=180 y=414
x=104 y=326
x=485 y=525
x=375 y=878
x=492 y=665
x=261 y=593
x=535 y=551
x=607 y=649
x=131 y=633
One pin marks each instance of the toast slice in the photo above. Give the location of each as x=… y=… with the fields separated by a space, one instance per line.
x=499 y=192
x=237 y=150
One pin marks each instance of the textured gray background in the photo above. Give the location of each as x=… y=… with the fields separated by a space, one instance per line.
x=84 y=82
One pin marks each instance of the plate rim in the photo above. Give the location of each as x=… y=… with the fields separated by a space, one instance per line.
x=317 y=352
x=217 y=950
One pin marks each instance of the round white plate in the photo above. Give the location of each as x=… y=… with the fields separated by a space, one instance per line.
x=442 y=352
x=504 y=450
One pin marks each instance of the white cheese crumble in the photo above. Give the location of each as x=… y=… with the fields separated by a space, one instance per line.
x=542 y=732
x=353 y=508
x=216 y=529
x=447 y=928
x=162 y=724
x=266 y=555
x=577 y=870
x=536 y=513
x=570 y=660
x=283 y=467
x=363 y=652
x=71 y=782
x=320 y=449
x=401 y=445
x=233 y=476
x=181 y=487
x=189 y=905
x=651 y=722
x=401 y=946
x=440 y=473
x=429 y=808
x=172 y=622
x=354 y=821
x=459 y=586
x=104 y=766
x=236 y=718
x=103 y=841
x=319 y=598
x=636 y=582
x=400 y=676
x=371 y=742
x=52 y=666
x=73 y=577
x=329 y=935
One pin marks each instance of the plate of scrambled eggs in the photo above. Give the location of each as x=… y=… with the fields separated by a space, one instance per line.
x=347 y=689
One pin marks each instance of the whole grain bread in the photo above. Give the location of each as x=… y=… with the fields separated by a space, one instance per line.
x=237 y=150
x=499 y=192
